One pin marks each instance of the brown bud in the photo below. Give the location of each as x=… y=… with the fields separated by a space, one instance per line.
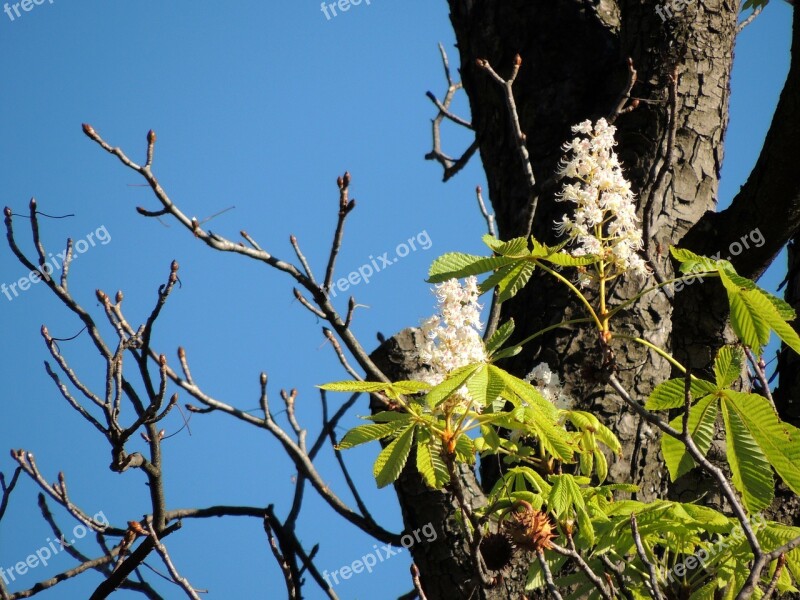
x=478 y=189
x=181 y=353
x=263 y=378
x=174 y=266
x=141 y=210
x=517 y=60
x=151 y=137
x=7 y=212
x=346 y=178
x=101 y=296
x=32 y=204
x=89 y=130
x=119 y=297
x=481 y=62
x=45 y=332
x=340 y=182
x=292 y=239
x=162 y=360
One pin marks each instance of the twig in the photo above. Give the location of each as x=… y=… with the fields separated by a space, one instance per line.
x=573 y=553
x=345 y=207
x=7 y=489
x=519 y=137
x=749 y=19
x=773 y=584
x=655 y=589
x=450 y=165
x=162 y=552
x=548 y=576
x=292 y=586
x=417 y=584
x=758 y=367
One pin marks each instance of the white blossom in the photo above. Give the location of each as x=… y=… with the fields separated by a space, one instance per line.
x=604 y=223
x=548 y=384
x=452 y=337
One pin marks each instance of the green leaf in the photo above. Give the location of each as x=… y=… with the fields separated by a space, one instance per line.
x=536 y=578
x=510 y=351
x=458 y=265
x=430 y=464
x=563 y=259
x=525 y=392
x=500 y=337
x=728 y=365
x=779 y=441
x=454 y=380
x=693 y=263
x=484 y=386
x=393 y=458
x=566 y=497
x=702 y=417
x=510 y=279
x=516 y=248
x=355 y=386
x=411 y=387
x=747 y=322
x=369 y=433
x=670 y=394
x=601 y=465
x=750 y=470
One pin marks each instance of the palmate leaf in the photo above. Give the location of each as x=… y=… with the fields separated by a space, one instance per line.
x=515 y=248
x=369 y=433
x=779 y=441
x=500 y=337
x=509 y=279
x=455 y=380
x=430 y=464
x=751 y=474
x=484 y=386
x=458 y=265
x=566 y=499
x=728 y=365
x=670 y=394
x=701 y=427
x=392 y=390
x=392 y=459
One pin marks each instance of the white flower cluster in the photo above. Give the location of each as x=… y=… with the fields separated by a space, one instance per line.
x=605 y=222
x=453 y=336
x=549 y=386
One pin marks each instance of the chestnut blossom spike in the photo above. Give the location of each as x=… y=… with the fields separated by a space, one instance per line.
x=604 y=223
x=453 y=336
x=548 y=384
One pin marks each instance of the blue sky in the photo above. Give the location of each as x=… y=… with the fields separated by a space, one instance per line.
x=258 y=106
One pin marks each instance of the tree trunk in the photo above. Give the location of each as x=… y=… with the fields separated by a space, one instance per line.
x=575 y=67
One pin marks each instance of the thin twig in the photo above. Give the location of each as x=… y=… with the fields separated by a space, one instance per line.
x=749 y=19
x=758 y=367
x=520 y=140
x=655 y=589
x=548 y=576
x=450 y=165
x=162 y=552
